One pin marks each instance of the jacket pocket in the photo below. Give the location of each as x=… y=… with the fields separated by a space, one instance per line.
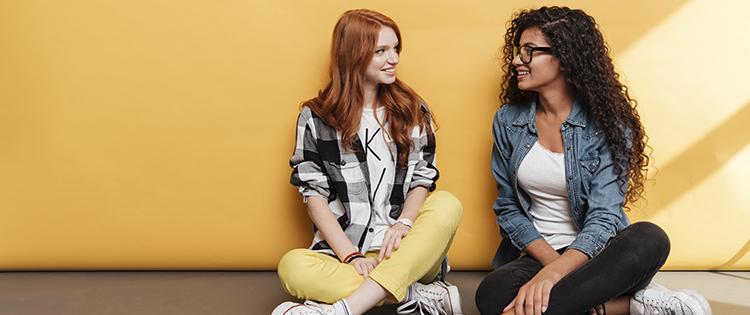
x=589 y=166
x=349 y=172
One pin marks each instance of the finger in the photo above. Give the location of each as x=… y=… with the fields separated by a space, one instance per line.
x=538 y=299
x=520 y=299
x=386 y=238
x=365 y=271
x=359 y=269
x=546 y=289
x=528 y=305
x=397 y=243
x=389 y=250
x=510 y=305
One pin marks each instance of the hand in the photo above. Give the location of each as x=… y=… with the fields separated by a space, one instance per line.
x=597 y=310
x=533 y=297
x=392 y=240
x=364 y=265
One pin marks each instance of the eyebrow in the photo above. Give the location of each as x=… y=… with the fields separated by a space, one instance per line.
x=529 y=45
x=385 y=46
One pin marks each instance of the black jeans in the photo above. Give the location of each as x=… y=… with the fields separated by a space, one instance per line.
x=625 y=266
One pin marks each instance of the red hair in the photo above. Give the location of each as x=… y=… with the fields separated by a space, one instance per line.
x=340 y=103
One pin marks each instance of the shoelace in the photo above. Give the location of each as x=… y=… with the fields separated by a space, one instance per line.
x=425 y=304
x=425 y=307
x=317 y=308
x=663 y=308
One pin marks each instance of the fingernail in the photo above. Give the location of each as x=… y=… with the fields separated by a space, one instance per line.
x=544 y=308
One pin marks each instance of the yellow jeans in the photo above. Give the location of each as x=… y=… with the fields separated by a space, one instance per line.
x=309 y=275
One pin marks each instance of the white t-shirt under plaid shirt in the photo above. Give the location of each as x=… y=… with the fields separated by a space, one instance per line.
x=381 y=163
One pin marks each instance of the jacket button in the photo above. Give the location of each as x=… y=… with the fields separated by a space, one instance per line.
x=343 y=163
x=371 y=230
x=570 y=177
x=527 y=146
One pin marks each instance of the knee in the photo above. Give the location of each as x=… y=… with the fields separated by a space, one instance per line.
x=290 y=266
x=493 y=294
x=449 y=207
x=653 y=239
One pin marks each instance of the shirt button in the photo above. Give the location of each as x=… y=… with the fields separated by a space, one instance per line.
x=371 y=230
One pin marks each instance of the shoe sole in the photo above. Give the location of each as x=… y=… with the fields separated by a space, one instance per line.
x=283 y=308
x=455 y=299
x=705 y=306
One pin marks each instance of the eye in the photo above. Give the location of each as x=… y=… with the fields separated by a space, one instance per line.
x=380 y=51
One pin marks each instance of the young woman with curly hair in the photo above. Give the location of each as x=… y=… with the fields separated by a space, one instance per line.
x=364 y=163
x=569 y=155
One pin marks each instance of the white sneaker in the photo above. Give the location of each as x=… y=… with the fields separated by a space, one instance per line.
x=436 y=298
x=656 y=299
x=307 y=308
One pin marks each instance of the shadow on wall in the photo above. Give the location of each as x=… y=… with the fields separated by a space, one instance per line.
x=699 y=161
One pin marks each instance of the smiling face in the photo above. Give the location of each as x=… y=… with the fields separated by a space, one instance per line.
x=543 y=72
x=382 y=67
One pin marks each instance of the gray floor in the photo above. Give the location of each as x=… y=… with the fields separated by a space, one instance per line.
x=186 y=293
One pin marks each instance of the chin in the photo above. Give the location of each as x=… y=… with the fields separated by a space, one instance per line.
x=388 y=81
x=524 y=87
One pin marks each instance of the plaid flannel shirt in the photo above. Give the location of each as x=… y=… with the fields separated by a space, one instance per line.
x=321 y=166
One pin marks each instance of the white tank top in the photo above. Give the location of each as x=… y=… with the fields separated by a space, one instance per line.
x=542 y=176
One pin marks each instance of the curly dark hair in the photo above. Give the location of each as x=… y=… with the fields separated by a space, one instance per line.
x=584 y=57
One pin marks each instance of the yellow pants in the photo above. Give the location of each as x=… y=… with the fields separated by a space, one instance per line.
x=309 y=275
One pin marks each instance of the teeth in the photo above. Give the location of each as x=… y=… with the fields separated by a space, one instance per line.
x=389 y=70
x=523 y=72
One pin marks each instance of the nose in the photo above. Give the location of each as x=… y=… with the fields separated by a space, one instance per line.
x=393 y=57
x=517 y=60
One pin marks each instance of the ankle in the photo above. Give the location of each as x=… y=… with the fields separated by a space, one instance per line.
x=342 y=307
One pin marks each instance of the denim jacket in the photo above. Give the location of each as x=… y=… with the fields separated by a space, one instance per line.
x=596 y=199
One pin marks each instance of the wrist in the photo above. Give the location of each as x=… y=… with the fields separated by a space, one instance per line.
x=351 y=257
x=552 y=272
x=405 y=221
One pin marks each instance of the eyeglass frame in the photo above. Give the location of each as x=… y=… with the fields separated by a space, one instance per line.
x=530 y=50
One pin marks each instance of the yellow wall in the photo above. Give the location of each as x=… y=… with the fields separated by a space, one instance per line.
x=156 y=134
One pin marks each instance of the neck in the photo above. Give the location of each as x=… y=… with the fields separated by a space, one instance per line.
x=370 y=94
x=557 y=102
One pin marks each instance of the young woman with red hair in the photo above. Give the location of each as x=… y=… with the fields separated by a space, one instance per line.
x=364 y=163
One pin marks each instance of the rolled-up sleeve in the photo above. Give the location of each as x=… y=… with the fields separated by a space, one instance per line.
x=308 y=173
x=426 y=173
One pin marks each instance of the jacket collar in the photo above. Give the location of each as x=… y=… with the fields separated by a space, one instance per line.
x=577 y=116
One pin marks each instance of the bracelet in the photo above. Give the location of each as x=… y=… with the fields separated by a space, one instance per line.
x=352 y=256
x=405 y=221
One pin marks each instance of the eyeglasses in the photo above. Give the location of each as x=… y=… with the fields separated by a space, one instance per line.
x=527 y=52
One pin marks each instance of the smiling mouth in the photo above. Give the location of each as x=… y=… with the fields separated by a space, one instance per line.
x=522 y=72
x=389 y=70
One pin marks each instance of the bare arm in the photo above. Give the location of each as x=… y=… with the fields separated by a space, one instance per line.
x=322 y=217
x=542 y=251
x=414 y=199
x=566 y=263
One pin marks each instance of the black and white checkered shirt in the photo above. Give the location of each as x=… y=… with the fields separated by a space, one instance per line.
x=321 y=166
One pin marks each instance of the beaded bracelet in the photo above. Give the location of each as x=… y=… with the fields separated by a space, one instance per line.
x=353 y=256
